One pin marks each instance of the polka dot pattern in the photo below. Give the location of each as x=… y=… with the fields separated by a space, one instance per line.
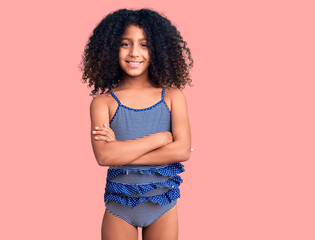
x=116 y=191
x=171 y=170
x=162 y=199
x=129 y=189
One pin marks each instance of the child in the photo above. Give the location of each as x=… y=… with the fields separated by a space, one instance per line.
x=140 y=126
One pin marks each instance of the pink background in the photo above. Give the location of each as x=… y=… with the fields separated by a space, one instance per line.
x=251 y=113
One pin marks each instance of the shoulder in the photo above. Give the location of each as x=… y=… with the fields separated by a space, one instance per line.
x=174 y=91
x=175 y=95
x=100 y=101
x=100 y=109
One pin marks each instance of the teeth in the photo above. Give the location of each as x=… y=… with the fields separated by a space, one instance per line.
x=134 y=63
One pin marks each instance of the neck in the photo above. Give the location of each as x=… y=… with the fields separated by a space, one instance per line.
x=135 y=82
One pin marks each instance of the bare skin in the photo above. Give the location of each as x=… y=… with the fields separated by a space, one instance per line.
x=115 y=228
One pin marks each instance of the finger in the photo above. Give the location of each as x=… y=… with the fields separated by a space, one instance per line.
x=104 y=132
x=111 y=130
x=105 y=136
x=103 y=128
x=106 y=128
x=100 y=132
x=102 y=138
x=107 y=139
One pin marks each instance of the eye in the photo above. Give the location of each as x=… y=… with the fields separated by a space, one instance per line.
x=144 y=45
x=124 y=44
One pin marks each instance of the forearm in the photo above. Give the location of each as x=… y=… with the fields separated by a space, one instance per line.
x=169 y=153
x=117 y=153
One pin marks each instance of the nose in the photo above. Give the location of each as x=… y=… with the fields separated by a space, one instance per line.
x=134 y=51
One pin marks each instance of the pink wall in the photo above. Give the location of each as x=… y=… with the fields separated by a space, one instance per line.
x=251 y=109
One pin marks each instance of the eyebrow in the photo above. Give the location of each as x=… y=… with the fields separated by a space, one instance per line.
x=130 y=39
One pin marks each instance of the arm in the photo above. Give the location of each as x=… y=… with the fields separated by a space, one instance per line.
x=178 y=150
x=116 y=153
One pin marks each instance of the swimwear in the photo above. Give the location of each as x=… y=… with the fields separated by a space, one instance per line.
x=141 y=194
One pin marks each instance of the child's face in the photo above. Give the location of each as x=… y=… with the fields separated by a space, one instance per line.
x=134 y=55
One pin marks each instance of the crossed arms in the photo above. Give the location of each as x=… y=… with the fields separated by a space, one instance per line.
x=155 y=149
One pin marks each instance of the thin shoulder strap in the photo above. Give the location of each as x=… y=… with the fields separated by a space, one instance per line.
x=163 y=93
x=116 y=98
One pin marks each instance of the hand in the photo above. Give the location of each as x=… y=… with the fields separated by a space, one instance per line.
x=104 y=133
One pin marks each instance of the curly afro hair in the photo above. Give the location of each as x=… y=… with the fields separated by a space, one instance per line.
x=170 y=59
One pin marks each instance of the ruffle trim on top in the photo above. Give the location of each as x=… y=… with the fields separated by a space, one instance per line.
x=114 y=187
x=171 y=170
x=162 y=199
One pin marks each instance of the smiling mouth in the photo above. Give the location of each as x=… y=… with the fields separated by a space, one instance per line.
x=133 y=63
